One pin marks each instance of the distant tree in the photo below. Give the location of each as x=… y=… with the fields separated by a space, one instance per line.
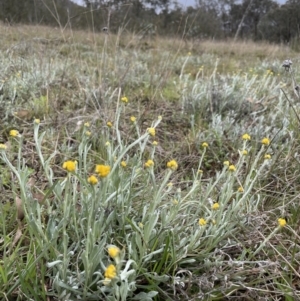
x=203 y=22
x=12 y=11
x=281 y=24
x=293 y=2
x=246 y=16
x=218 y=6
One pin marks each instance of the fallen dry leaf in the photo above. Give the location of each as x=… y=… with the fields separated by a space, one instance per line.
x=23 y=114
x=20 y=211
x=17 y=237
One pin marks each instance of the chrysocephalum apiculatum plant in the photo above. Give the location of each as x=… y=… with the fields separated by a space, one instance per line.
x=116 y=229
x=119 y=222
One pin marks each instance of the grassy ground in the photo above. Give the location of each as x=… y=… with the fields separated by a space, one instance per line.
x=168 y=198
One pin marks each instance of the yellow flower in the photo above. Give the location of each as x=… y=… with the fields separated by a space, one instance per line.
x=281 y=222
x=170 y=184
x=110 y=272
x=246 y=137
x=123 y=164
x=109 y=124
x=215 y=206
x=141 y=225
x=70 y=166
x=132 y=119
x=200 y=171
x=244 y=152
x=175 y=202
x=151 y=132
x=226 y=163
x=149 y=163
x=3 y=146
x=231 y=167
x=124 y=99
x=202 y=222
x=87 y=124
x=240 y=189
x=172 y=165
x=102 y=170
x=265 y=141
x=204 y=144
x=154 y=143
x=37 y=121
x=14 y=133
x=267 y=157
x=92 y=180
x=107 y=143
x=88 y=133
x=113 y=251
x=159 y=117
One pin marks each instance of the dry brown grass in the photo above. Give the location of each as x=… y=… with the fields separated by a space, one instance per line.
x=243 y=49
x=240 y=49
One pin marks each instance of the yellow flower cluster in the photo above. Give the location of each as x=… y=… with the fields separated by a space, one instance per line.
x=132 y=119
x=109 y=124
x=102 y=170
x=204 y=144
x=240 y=189
x=281 y=222
x=265 y=141
x=267 y=156
x=124 y=99
x=149 y=163
x=123 y=164
x=113 y=251
x=202 y=222
x=244 y=152
x=70 y=166
x=2 y=146
x=110 y=272
x=246 y=137
x=215 y=206
x=92 y=180
x=14 y=133
x=226 y=163
x=151 y=131
x=231 y=168
x=172 y=165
